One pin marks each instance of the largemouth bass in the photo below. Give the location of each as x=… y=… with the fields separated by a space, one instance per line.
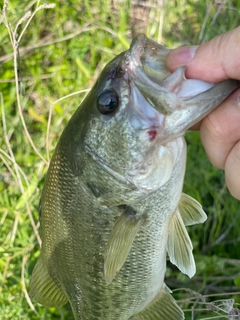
x=112 y=205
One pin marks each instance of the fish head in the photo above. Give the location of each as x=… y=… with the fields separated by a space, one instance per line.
x=137 y=112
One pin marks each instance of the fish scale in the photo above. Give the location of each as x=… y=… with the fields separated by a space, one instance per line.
x=112 y=206
x=103 y=301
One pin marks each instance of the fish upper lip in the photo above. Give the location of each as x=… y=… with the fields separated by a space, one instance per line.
x=137 y=47
x=141 y=44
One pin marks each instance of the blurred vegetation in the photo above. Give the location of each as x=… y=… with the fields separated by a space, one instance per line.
x=57 y=54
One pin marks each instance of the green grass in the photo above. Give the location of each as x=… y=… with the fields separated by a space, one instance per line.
x=62 y=51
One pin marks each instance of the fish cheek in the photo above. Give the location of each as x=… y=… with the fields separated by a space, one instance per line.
x=110 y=141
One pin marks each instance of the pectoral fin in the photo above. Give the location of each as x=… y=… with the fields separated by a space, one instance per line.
x=43 y=289
x=119 y=244
x=191 y=211
x=164 y=307
x=179 y=246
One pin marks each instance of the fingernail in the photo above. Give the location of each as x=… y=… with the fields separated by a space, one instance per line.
x=184 y=55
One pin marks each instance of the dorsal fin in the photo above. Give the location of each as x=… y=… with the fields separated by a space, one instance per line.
x=119 y=244
x=191 y=210
x=179 y=246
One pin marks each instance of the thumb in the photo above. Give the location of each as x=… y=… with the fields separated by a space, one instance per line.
x=213 y=61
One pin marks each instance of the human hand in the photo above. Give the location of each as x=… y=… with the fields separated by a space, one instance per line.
x=215 y=61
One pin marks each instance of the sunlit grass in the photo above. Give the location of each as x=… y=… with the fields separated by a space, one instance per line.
x=60 y=51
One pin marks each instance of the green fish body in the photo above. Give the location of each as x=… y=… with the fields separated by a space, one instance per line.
x=112 y=206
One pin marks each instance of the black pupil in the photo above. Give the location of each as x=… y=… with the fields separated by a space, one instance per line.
x=107 y=102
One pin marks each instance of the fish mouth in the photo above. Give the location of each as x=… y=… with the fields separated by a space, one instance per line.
x=158 y=85
x=146 y=66
x=149 y=73
x=149 y=58
x=178 y=102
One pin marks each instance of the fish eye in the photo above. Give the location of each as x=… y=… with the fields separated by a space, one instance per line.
x=107 y=102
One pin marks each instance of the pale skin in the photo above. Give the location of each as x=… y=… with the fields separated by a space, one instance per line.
x=215 y=61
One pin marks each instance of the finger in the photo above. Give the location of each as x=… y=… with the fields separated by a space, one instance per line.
x=180 y=57
x=220 y=130
x=217 y=59
x=213 y=61
x=232 y=171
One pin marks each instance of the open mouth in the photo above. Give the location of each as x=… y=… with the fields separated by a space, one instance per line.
x=180 y=102
x=151 y=58
x=149 y=54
